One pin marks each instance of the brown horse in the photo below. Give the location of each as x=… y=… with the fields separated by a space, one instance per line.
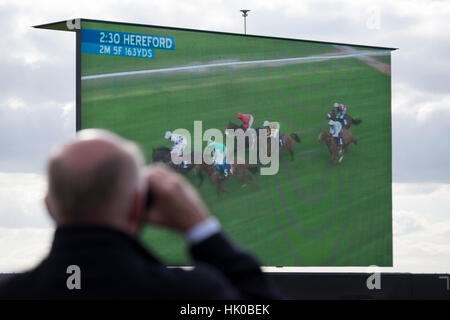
x=286 y=142
x=162 y=154
x=347 y=137
x=350 y=121
x=240 y=170
x=248 y=143
x=234 y=126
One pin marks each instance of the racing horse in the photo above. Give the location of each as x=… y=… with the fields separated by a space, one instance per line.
x=350 y=120
x=347 y=137
x=243 y=171
x=286 y=140
x=248 y=143
x=162 y=154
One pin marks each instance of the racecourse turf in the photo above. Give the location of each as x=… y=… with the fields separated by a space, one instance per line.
x=311 y=213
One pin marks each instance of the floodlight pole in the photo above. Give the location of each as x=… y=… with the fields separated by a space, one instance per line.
x=245 y=14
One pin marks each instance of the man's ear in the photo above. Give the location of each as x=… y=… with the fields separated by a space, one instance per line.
x=49 y=207
x=137 y=212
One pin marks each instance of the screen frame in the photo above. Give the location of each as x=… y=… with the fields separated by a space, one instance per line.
x=65 y=26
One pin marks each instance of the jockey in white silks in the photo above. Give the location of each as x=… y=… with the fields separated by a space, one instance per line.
x=179 y=143
x=335 y=131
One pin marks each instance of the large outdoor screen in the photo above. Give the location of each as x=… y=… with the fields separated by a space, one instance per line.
x=323 y=200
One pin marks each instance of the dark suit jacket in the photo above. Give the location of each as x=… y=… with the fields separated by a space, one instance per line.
x=115 y=266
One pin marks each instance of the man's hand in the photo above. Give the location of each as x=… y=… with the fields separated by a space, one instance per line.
x=177 y=204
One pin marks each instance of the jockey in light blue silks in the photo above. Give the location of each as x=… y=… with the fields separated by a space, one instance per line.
x=179 y=143
x=335 y=131
x=341 y=110
x=219 y=152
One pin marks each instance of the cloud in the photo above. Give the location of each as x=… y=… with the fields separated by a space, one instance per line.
x=421 y=227
x=429 y=200
x=29 y=132
x=407 y=222
x=21 y=198
x=23 y=248
x=420 y=151
x=421 y=244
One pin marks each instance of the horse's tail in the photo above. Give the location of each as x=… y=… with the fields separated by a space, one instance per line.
x=295 y=137
x=355 y=141
x=356 y=121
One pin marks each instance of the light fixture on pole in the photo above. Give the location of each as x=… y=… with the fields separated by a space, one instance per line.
x=245 y=14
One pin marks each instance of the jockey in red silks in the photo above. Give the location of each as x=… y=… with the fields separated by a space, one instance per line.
x=246 y=119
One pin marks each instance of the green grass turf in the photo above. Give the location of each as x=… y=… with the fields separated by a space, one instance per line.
x=311 y=213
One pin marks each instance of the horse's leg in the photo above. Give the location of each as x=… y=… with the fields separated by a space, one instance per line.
x=199 y=172
x=346 y=147
x=334 y=158
x=250 y=178
x=222 y=186
x=345 y=144
x=238 y=172
x=217 y=183
x=218 y=188
x=220 y=182
x=333 y=151
x=290 y=148
x=245 y=176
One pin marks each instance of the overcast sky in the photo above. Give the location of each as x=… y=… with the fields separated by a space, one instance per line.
x=37 y=97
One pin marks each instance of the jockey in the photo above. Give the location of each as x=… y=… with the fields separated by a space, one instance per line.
x=341 y=110
x=246 y=119
x=273 y=129
x=179 y=143
x=336 y=133
x=219 y=157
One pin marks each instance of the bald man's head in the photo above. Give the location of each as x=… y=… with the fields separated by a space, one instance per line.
x=94 y=179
